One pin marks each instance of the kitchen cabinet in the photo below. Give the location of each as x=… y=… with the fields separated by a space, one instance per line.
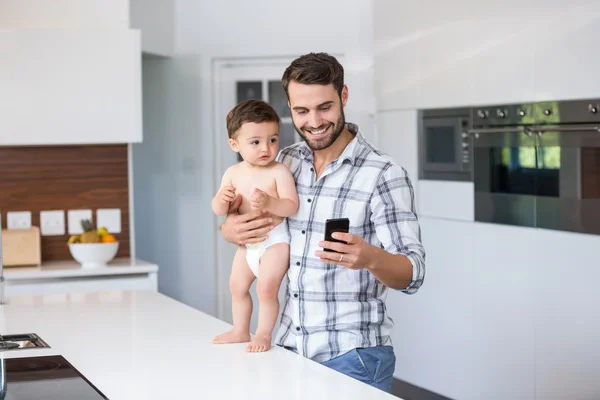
x=70 y=87
x=69 y=277
x=396 y=54
x=430 y=54
x=565 y=310
x=501 y=61
x=565 y=63
x=434 y=328
x=503 y=330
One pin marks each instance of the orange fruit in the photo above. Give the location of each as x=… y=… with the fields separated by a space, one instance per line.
x=108 y=239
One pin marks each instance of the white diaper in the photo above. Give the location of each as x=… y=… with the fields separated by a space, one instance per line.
x=255 y=251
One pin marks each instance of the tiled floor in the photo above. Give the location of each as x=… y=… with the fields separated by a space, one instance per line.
x=407 y=391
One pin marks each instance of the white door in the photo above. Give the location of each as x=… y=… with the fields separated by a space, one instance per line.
x=236 y=81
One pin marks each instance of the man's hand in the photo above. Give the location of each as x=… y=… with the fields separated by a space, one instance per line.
x=246 y=228
x=356 y=254
x=259 y=199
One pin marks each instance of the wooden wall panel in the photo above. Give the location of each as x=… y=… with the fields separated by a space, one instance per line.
x=65 y=178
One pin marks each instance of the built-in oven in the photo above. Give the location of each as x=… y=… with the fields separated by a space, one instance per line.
x=444 y=144
x=538 y=165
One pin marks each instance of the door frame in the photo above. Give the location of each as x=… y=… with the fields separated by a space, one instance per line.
x=217 y=68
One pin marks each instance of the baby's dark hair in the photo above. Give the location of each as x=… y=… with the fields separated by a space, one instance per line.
x=256 y=111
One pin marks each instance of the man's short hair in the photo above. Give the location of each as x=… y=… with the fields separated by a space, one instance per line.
x=315 y=69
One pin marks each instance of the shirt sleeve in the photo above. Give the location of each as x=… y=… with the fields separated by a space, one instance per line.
x=396 y=223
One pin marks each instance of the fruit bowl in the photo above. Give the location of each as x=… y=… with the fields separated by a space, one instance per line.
x=94 y=247
x=93 y=255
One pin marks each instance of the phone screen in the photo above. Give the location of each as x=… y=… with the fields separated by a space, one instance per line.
x=336 y=225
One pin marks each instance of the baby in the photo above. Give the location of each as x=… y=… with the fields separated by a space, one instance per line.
x=253 y=128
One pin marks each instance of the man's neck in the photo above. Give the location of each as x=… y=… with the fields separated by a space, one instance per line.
x=322 y=158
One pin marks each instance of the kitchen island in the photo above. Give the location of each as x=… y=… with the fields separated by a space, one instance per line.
x=144 y=345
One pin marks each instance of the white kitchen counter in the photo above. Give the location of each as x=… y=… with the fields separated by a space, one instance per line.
x=72 y=269
x=69 y=276
x=144 y=345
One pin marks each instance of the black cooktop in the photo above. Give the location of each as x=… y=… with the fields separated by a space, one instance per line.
x=48 y=377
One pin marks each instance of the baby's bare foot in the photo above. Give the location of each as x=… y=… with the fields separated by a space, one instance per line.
x=232 y=337
x=259 y=344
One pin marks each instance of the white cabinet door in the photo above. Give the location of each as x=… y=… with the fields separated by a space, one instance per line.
x=503 y=329
x=396 y=54
x=433 y=334
x=566 y=315
x=566 y=67
x=70 y=87
x=501 y=58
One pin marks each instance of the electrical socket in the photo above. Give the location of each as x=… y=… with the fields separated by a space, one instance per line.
x=75 y=217
x=18 y=219
x=110 y=218
x=52 y=223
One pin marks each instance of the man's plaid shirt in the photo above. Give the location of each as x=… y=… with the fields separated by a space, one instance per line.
x=329 y=309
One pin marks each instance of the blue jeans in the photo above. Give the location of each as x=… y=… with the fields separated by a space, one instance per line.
x=372 y=365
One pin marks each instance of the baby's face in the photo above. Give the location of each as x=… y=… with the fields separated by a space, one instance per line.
x=258 y=143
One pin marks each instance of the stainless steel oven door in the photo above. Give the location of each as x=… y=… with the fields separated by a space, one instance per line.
x=568 y=179
x=505 y=175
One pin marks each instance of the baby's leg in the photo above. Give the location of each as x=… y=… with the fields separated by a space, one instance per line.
x=241 y=302
x=273 y=266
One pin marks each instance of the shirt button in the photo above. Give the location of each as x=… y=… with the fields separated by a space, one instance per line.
x=312 y=169
x=296 y=295
x=298 y=263
x=303 y=231
x=298 y=328
x=309 y=200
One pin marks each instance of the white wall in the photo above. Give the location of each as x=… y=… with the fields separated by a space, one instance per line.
x=237 y=28
x=69 y=14
x=505 y=312
x=171 y=183
x=173 y=168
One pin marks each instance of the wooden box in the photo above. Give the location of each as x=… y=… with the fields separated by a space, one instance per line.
x=21 y=247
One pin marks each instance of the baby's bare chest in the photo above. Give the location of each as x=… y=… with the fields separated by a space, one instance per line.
x=245 y=183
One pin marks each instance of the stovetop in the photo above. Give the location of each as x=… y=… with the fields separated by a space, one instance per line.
x=46 y=377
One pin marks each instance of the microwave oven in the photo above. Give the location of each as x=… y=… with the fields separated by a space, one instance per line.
x=445 y=144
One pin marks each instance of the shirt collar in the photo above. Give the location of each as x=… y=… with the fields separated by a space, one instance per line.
x=350 y=151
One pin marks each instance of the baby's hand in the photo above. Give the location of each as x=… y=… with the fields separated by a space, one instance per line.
x=227 y=194
x=259 y=199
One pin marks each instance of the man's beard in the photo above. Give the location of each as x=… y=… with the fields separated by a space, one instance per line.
x=326 y=141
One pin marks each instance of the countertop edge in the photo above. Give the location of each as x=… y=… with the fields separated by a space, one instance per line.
x=72 y=269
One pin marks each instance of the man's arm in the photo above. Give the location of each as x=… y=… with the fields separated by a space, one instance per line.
x=401 y=262
x=242 y=229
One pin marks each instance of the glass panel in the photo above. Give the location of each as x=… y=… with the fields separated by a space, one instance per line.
x=505 y=182
x=440 y=142
x=278 y=99
x=575 y=201
x=512 y=170
x=287 y=135
x=249 y=91
x=548 y=174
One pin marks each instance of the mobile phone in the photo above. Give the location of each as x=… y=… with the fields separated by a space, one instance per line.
x=336 y=225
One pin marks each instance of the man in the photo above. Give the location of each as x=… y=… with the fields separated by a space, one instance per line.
x=335 y=310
